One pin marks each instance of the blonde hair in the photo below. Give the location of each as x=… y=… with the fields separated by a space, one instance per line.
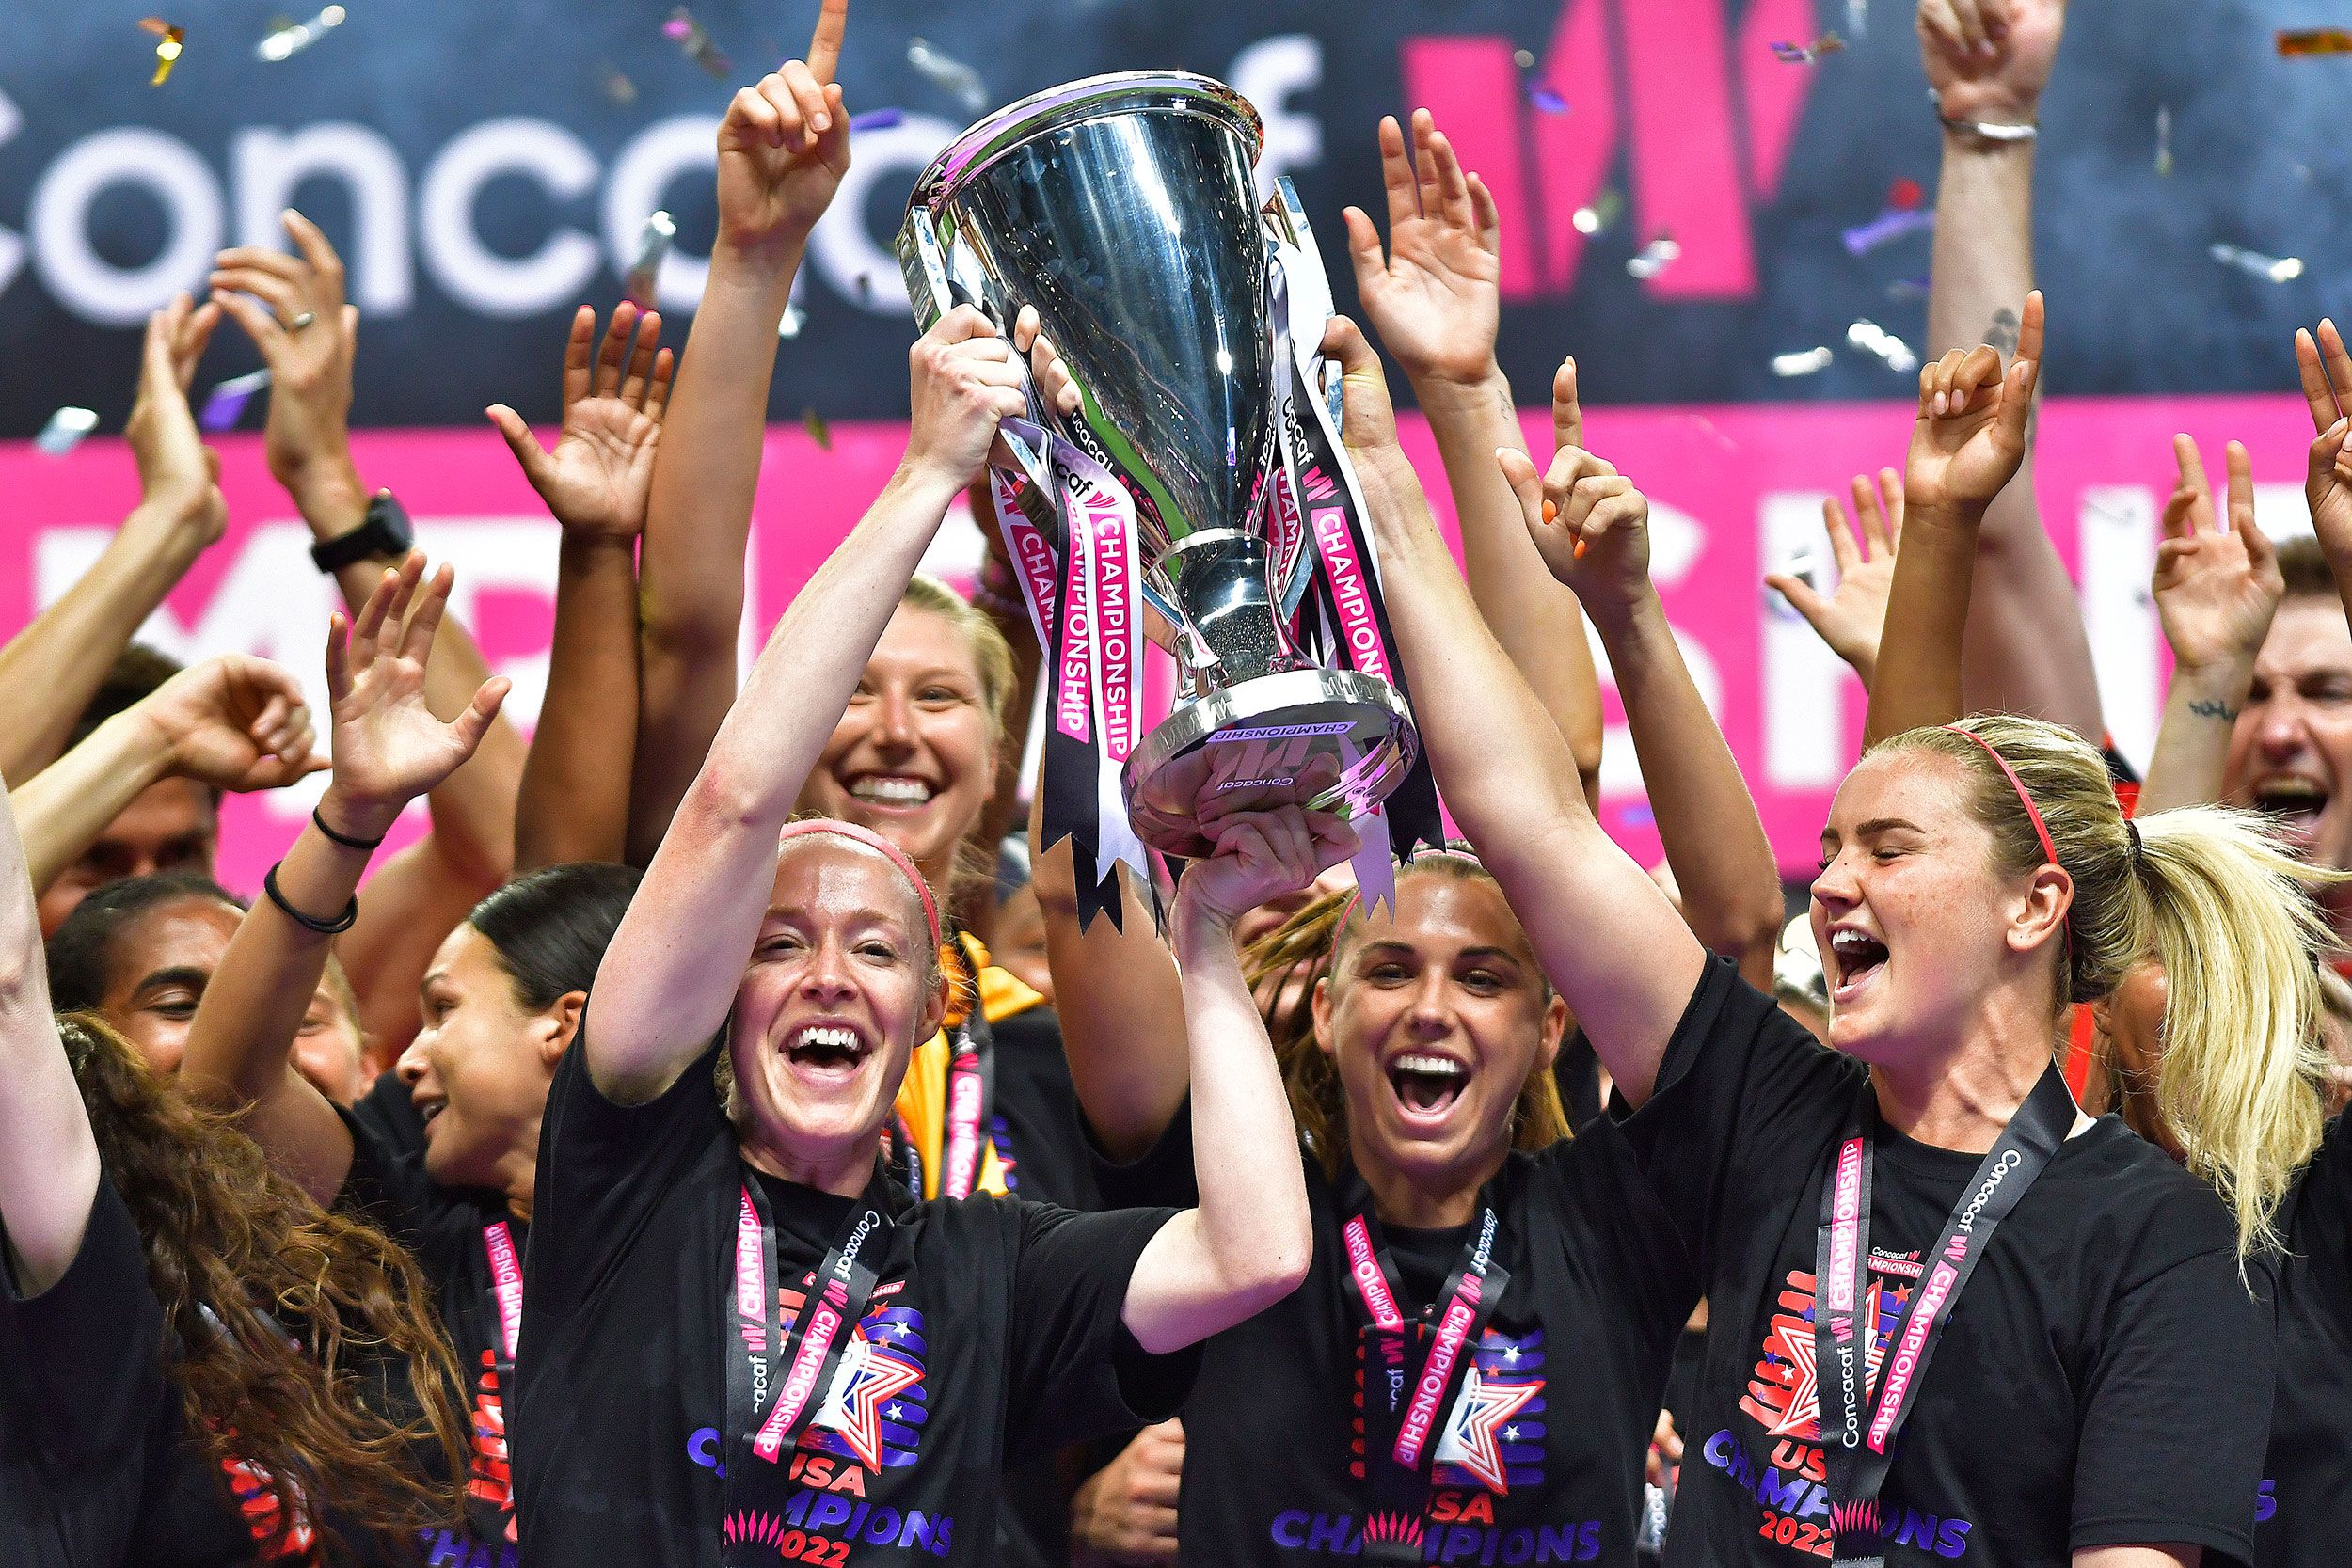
x=974 y=869
x=1304 y=951
x=2213 y=895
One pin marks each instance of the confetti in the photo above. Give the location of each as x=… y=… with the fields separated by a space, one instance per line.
x=950 y=74
x=1905 y=194
x=691 y=36
x=64 y=431
x=1603 y=211
x=653 y=244
x=1803 y=362
x=793 y=319
x=1546 y=100
x=1883 y=346
x=1806 y=569
x=1523 y=58
x=1892 y=224
x=876 y=119
x=818 y=431
x=1858 y=17
x=168 y=40
x=287 y=38
x=1908 y=288
x=1654 y=258
x=618 y=87
x=226 y=405
x=2316 y=40
x=2164 y=141
x=2276 y=269
x=1809 y=53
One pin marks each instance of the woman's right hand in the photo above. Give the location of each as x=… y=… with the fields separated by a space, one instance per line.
x=1124 y=1516
x=598 y=478
x=784 y=148
x=178 y=475
x=1969 y=439
x=961 y=383
x=234 y=721
x=389 y=746
x=1261 y=856
x=1852 y=617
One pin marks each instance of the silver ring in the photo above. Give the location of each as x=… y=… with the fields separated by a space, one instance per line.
x=302 y=321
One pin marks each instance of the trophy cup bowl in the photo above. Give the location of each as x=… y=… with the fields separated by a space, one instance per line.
x=1122 y=208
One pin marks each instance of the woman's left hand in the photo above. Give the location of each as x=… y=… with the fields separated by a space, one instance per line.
x=1261 y=855
x=1969 y=439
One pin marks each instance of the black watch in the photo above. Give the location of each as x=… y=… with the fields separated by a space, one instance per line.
x=383 y=532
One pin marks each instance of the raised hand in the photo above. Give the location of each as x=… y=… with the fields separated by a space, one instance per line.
x=2327 y=487
x=389 y=746
x=1852 y=616
x=2215 y=588
x=234 y=721
x=1435 y=298
x=1367 y=414
x=960 y=383
x=1261 y=855
x=1988 y=60
x=784 y=147
x=178 y=475
x=1970 y=435
x=1588 y=521
x=308 y=336
x=598 y=479
x=1126 y=1513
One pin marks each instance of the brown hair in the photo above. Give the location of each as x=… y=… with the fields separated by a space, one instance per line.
x=1283 y=968
x=2212 y=893
x=240 y=1259
x=2305 y=567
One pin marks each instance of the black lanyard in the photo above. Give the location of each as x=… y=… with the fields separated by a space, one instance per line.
x=1858 y=1456
x=971 y=1094
x=484 y=1320
x=773 y=1393
x=1410 y=1388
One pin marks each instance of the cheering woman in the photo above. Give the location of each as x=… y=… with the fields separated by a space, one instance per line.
x=182 y=1334
x=2061 y=1398
x=739 y=1342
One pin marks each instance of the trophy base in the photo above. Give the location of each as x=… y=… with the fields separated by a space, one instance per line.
x=1326 y=740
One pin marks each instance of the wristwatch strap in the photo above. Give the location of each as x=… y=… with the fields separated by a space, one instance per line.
x=382 y=533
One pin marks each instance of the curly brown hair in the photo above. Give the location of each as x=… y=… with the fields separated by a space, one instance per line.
x=241 y=1259
x=1284 y=966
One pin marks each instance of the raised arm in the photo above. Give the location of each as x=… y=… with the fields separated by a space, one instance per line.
x=783 y=148
x=1852 y=616
x=293 y=307
x=388 y=749
x=1625 y=961
x=573 y=803
x=670 y=975
x=1434 y=303
x=48 y=1158
x=1590 y=527
x=1247 y=1242
x=2216 y=590
x=50 y=670
x=232 y=721
x=1965 y=444
x=2327 y=487
x=1988 y=60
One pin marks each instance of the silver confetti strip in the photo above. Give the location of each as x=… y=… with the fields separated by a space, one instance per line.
x=64 y=430
x=653 y=245
x=2164 y=141
x=226 y=404
x=286 y=39
x=1803 y=362
x=1654 y=258
x=1883 y=346
x=950 y=74
x=1594 y=219
x=2275 y=269
x=793 y=319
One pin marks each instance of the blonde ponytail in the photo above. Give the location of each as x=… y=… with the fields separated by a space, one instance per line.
x=2240 y=1080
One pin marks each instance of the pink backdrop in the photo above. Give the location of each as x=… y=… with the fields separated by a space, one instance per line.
x=1733 y=489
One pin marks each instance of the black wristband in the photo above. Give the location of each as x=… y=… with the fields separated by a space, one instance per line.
x=324 y=927
x=344 y=839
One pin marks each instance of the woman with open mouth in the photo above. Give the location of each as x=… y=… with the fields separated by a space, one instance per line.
x=744 y=1341
x=1950 y=1314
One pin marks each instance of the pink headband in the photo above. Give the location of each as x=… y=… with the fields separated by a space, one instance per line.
x=872 y=840
x=2033 y=814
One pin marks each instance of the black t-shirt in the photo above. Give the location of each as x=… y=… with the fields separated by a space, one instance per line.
x=1540 y=1457
x=454 y=1234
x=2304 y=1515
x=2104 y=1378
x=83 y=1399
x=997 y=1319
x=1036 y=1130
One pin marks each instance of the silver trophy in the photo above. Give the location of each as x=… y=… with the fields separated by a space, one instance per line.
x=1121 y=207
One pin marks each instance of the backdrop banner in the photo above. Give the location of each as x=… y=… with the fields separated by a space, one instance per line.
x=1735 y=491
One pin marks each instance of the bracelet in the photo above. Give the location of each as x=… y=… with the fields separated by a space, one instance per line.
x=344 y=839
x=324 y=927
x=1991 y=131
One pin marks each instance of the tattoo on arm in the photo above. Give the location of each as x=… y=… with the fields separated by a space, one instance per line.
x=2213 y=708
x=2002 y=333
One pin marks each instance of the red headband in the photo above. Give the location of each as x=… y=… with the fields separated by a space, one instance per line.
x=2033 y=813
x=872 y=840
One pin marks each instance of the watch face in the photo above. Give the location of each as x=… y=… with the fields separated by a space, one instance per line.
x=385 y=511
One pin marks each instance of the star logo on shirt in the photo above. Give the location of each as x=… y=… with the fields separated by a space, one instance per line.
x=1479 y=1417
x=869 y=1381
x=1792 y=1342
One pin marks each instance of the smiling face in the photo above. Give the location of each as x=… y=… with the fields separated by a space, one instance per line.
x=1434 y=1019
x=914 y=757
x=841 y=984
x=2291 y=752
x=1916 y=923
x=479 y=1066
